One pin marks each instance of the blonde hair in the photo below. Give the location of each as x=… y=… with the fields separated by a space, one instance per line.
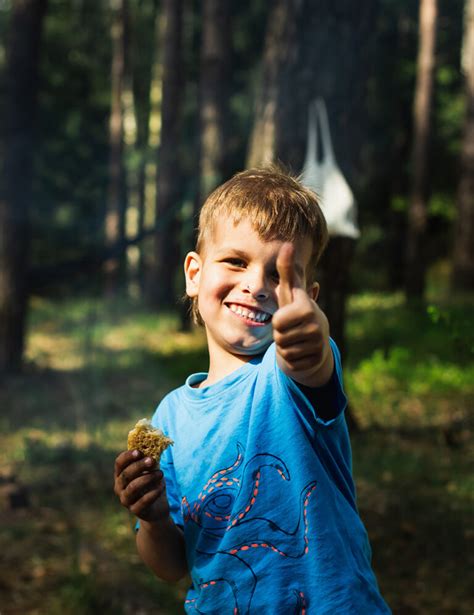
x=277 y=206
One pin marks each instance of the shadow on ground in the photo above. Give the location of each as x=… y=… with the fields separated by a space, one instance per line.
x=65 y=537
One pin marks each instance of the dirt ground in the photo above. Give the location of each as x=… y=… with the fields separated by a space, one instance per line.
x=67 y=546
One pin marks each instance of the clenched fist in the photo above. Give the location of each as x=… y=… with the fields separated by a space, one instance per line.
x=300 y=327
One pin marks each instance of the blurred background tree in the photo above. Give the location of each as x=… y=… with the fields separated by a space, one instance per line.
x=463 y=255
x=175 y=99
x=117 y=117
x=17 y=146
x=216 y=51
x=163 y=266
x=415 y=271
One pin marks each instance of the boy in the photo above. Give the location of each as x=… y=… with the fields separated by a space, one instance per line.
x=255 y=500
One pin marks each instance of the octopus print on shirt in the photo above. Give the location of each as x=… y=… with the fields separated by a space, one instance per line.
x=214 y=512
x=263 y=490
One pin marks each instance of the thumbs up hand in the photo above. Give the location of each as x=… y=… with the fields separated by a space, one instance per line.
x=300 y=328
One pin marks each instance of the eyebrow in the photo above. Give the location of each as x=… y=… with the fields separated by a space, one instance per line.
x=230 y=249
x=242 y=254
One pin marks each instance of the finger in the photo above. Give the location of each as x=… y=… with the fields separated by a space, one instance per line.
x=306 y=333
x=301 y=364
x=147 y=495
x=299 y=312
x=295 y=354
x=139 y=508
x=139 y=486
x=133 y=470
x=285 y=267
x=143 y=484
x=125 y=459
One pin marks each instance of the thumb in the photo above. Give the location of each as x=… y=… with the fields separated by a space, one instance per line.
x=285 y=265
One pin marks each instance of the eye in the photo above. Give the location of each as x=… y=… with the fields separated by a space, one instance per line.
x=235 y=262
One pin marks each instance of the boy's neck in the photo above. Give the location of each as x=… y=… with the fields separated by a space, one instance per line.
x=222 y=363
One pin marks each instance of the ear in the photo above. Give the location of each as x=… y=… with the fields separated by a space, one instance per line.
x=192 y=272
x=313 y=291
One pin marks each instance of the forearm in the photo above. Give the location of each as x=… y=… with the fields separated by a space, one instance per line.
x=161 y=547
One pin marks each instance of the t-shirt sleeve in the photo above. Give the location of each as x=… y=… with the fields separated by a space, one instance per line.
x=167 y=467
x=329 y=401
x=172 y=490
x=319 y=402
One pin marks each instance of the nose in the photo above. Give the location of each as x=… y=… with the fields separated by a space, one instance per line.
x=255 y=285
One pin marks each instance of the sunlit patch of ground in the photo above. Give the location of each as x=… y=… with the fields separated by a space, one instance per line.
x=93 y=371
x=55 y=351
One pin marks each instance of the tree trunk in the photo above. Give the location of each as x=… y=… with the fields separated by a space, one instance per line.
x=463 y=256
x=145 y=25
x=277 y=51
x=313 y=49
x=308 y=46
x=334 y=278
x=16 y=175
x=115 y=214
x=333 y=55
x=417 y=212
x=215 y=64
x=161 y=289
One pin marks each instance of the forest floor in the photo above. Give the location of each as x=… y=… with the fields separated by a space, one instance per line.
x=93 y=369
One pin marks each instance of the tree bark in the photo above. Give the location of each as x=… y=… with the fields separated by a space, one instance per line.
x=463 y=255
x=277 y=51
x=213 y=111
x=314 y=49
x=417 y=212
x=308 y=47
x=161 y=287
x=17 y=126
x=115 y=214
x=142 y=72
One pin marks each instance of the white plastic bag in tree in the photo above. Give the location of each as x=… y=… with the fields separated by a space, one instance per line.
x=325 y=177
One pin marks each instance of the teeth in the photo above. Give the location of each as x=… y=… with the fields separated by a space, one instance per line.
x=245 y=313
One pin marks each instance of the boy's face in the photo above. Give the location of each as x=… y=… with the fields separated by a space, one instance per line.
x=236 y=283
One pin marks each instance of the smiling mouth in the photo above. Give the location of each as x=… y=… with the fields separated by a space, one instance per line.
x=254 y=315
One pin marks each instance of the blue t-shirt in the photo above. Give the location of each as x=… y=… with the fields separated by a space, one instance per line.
x=263 y=490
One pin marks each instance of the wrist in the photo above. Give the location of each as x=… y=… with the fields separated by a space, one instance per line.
x=325 y=370
x=157 y=526
x=319 y=375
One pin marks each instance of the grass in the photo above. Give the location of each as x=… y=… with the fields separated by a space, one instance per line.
x=410 y=366
x=93 y=369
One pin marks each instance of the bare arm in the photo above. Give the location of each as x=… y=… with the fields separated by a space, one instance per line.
x=141 y=488
x=161 y=547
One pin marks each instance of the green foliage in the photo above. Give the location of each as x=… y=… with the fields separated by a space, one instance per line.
x=72 y=145
x=71 y=153
x=457 y=325
x=408 y=366
x=442 y=206
x=384 y=186
x=416 y=497
x=95 y=368
x=81 y=594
